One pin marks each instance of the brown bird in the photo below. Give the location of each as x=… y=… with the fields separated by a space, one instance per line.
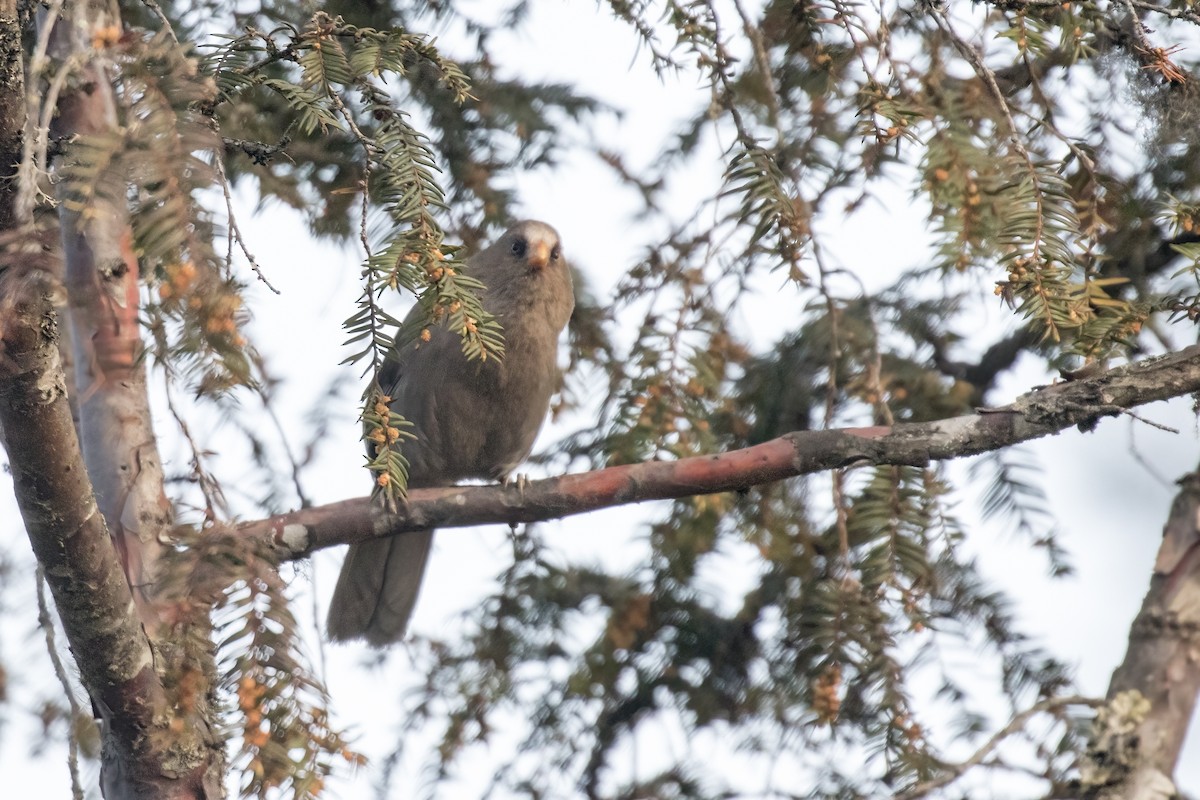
x=471 y=418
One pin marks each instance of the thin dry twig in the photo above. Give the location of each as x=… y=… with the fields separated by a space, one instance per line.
x=761 y=59
x=46 y=622
x=210 y=487
x=1187 y=14
x=36 y=136
x=1016 y=724
x=1150 y=422
x=284 y=440
x=235 y=233
x=156 y=9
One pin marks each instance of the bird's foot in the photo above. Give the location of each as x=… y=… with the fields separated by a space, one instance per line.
x=520 y=481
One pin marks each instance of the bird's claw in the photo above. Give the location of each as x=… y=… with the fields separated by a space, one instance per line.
x=520 y=481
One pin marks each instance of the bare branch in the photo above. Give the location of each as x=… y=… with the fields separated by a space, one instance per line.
x=46 y=622
x=1039 y=413
x=1050 y=705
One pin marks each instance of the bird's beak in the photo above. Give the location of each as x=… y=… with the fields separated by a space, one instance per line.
x=539 y=255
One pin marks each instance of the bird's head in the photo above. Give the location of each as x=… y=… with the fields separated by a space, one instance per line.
x=531 y=245
x=526 y=267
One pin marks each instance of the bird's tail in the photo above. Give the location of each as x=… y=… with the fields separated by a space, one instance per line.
x=377 y=588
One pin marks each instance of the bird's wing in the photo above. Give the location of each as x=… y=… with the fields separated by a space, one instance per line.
x=398 y=361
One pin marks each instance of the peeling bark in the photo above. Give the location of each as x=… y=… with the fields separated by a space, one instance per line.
x=101 y=279
x=12 y=125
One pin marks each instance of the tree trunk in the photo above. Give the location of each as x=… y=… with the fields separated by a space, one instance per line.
x=100 y=551
x=12 y=110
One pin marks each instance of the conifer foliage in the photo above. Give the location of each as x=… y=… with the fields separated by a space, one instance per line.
x=1052 y=147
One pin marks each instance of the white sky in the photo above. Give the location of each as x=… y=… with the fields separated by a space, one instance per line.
x=1111 y=509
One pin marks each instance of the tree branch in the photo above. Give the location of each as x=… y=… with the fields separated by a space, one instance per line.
x=1054 y=706
x=1039 y=413
x=996 y=359
x=12 y=108
x=1153 y=692
x=101 y=279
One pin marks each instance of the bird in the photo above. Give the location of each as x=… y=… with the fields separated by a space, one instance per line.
x=472 y=418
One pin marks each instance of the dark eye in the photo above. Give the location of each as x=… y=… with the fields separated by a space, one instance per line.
x=555 y=253
x=518 y=248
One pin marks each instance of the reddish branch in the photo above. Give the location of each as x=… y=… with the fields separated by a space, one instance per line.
x=101 y=277
x=1039 y=413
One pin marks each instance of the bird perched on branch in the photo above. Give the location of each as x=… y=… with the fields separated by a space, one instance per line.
x=471 y=418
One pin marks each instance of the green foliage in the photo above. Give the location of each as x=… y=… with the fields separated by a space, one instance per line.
x=1053 y=151
x=1015 y=494
x=479 y=124
x=338 y=91
x=269 y=700
x=822 y=643
x=861 y=586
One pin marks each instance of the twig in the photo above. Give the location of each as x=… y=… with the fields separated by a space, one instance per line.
x=838 y=475
x=1023 y=4
x=210 y=488
x=1188 y=14
x=275 y=53
x=1149 y=422
x=305 y=502
x=1151 y=470
x=36 y=136
x=259 y=152
x=235 y=233
x=156 y=9
x=46 y=622
x=1017 y=723
x=1139 y=30
x=754 y=34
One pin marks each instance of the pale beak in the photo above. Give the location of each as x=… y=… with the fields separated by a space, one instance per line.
x=539 y=255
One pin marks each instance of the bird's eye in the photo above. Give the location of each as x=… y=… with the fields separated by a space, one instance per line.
x=518 y=248
x=555 y=253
